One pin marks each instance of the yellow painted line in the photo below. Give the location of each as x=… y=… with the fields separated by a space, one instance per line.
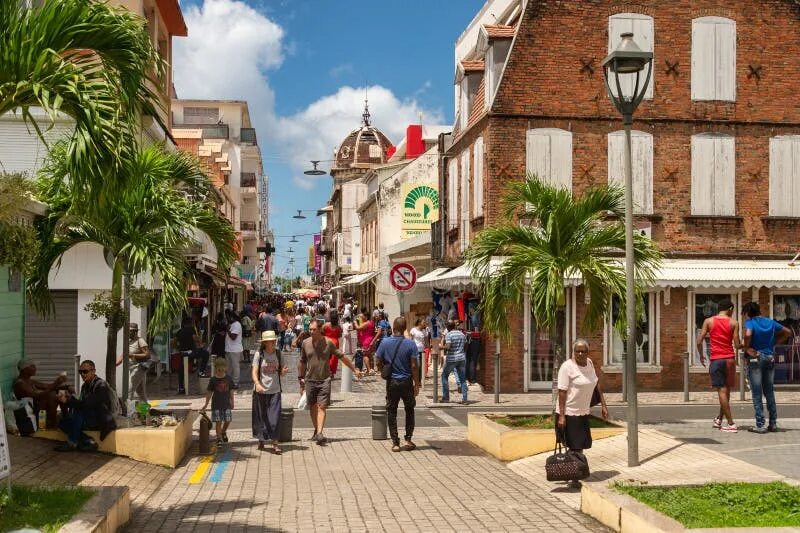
x=154 y=403
x=200 y=471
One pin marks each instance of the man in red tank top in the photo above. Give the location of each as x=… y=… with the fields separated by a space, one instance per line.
x=723 y=335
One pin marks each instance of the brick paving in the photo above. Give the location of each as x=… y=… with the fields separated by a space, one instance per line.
x=664 y=460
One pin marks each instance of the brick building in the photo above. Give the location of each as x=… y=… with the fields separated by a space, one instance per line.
x=716 y=161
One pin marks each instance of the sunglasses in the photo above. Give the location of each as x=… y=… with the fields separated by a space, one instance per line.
x=84 y=371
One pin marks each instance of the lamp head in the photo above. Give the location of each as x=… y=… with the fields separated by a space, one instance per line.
x=314 y=171
x=627 y=58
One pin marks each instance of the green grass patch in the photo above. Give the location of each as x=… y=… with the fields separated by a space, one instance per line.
x=41 y=508
x=775 y=504
x=542 y=421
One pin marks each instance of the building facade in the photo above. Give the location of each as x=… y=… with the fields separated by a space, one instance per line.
x=715 y=182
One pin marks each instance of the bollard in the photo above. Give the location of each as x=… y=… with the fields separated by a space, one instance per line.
x=685 y=376
x=497 y=371
x=379 y=422
x=347 y=379
x=286 y=424
x=742 y=370
x=435 y=376
x=204 y=440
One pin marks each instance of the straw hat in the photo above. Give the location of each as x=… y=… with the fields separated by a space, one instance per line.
x=268 y=335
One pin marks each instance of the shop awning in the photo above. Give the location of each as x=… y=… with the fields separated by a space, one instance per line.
x=358 y=279
x=727 y=273
x=433 y=275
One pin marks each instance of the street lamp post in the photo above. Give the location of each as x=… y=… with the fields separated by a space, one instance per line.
x=626 y=60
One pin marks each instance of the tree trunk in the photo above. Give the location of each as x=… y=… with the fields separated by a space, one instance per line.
x=113 y=325
x=126 y=336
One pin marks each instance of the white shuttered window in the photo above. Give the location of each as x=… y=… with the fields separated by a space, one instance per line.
x=641 y=167
x=714 y=59
x=643 y=34
x=548 y=154
x=494 y=61
x=477 y=181
x=713 y=174
x=464 y=200
x=452 y=192
x=784 y=176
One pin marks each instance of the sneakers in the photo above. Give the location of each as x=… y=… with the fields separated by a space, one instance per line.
x=66 y=447
x=757 y=429
x=729 y=428
x=772 y=428
x=717 y=422
x=321 y=440
x=314 y=436
x=224 y=437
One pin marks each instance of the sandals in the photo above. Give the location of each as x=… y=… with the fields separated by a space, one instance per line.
x=396 y=448
x=276 y=449
x=410 y=446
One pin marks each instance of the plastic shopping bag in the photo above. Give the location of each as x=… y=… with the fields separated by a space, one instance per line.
x=302 y=402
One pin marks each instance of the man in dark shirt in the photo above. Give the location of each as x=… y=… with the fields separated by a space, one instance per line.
x=403 y=384
x=91 y=410
x=187 y=339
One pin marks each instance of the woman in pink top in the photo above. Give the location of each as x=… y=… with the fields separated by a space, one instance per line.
x=366 y=333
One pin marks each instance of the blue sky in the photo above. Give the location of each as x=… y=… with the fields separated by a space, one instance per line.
x=303 y=66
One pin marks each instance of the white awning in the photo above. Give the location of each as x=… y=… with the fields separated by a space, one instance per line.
x=432 y=275
x=358 y=279
x=727 y=273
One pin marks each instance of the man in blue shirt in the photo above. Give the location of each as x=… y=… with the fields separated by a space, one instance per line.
x=454 y=344
x=761 y=334
x=401 y=354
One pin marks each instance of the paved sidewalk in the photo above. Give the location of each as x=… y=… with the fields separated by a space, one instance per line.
x=664 y=460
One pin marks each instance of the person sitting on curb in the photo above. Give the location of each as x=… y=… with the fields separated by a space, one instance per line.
x=92 y=410
x=44 y=395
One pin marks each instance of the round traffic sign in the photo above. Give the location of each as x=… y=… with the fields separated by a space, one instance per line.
x=326 y=286
x=403 y=277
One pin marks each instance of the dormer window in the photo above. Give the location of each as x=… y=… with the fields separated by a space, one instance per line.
x=498 y=44
x=470 y=73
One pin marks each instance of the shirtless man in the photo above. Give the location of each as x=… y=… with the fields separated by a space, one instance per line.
x=43 y=394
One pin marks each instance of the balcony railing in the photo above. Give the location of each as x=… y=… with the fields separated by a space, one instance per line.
x=216 y=131
x=247 y=225
x=248 y=179
x=248 y=135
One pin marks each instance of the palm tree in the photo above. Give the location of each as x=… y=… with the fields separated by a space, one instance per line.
x=18 y=243
x=560 y=236
x=145 y=224
x=84 y=59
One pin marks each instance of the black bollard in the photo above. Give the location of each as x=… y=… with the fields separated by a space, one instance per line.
x=286 y=424
x=205 y=429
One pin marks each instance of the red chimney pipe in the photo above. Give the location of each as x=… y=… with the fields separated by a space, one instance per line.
x=415 y=146
x=390 y=151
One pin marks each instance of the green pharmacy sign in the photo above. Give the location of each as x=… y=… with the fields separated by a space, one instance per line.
x=420 y=208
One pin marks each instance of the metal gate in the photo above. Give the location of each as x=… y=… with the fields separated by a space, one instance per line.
x=53 y=342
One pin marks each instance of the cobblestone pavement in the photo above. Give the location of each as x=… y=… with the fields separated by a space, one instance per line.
x=772 y=450
x=354 y=484
x=663 y=460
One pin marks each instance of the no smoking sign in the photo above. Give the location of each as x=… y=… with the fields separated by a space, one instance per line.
x=403 y=277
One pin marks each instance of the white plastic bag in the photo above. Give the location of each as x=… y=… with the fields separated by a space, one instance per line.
x=302 y=402
x=26 y=403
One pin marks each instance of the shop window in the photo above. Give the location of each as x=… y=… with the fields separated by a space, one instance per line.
x=784 y=176
x=641 y=166
x=642 y=28
x=705 y=306
x=645 y=333
x=786 y=310
x=548 y=155
x=713 y=174
x=714 y=59
x=543 y=348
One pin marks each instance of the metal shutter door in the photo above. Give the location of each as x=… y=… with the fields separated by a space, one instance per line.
x=53 y=343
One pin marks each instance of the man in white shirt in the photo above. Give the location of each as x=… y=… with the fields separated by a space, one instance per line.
x=140 y=356
x=234 y=347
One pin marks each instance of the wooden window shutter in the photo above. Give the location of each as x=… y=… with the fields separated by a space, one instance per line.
x=784 y=176
x=548 y=154
x=714 y=59
x=643 y=31
x=641 y=167
x=465 y=199
x=477 y=182
x=713 y=174
x=702 y=175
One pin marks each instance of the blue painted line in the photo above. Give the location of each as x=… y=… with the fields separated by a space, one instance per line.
x=220 y=467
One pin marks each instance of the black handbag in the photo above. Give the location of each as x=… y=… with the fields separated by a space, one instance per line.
x=595 y=397
x=565 y=466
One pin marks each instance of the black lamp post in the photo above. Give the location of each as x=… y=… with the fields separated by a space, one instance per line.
x=314 y=171
x=629 y=59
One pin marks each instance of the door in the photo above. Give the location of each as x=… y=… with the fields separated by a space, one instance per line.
x=53 y=342
x=542 y=348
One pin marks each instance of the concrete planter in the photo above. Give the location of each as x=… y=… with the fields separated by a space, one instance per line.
x=160 y=446
x=106 y=512
x=508 y=444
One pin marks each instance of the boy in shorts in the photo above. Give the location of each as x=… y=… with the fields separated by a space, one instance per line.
x=220 y=392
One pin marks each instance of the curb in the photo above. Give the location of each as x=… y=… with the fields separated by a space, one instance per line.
x=625 y=514
x=105 y=512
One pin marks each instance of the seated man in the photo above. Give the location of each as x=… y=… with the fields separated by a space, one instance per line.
x=92 y=410
x=43 y=394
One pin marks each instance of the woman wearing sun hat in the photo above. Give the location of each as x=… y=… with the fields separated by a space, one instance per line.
x=267 y=371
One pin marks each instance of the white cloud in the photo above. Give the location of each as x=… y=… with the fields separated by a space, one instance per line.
x=230 y=47
x=316 y=131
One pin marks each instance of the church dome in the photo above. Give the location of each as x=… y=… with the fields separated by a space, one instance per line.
x=364 y=146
